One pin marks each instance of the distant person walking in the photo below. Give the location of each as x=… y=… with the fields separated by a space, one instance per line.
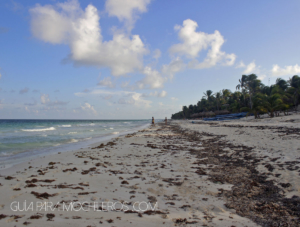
x=153 y=121
x=166 y=121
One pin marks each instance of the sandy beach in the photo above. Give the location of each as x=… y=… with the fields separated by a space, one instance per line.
x=233 y=173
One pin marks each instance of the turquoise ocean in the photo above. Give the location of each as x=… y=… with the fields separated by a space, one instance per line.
x=21 y=140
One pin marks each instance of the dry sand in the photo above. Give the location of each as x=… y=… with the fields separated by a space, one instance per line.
x=237 y=173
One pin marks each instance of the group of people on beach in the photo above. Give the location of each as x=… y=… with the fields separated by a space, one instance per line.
x=153 y=122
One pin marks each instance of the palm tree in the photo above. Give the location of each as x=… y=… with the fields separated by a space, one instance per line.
x=208 y=94
x=274 y=103
x=260 y=98
x=185 y=111
x=242 y=83
x=226 y=94
x=282 y=83
x=259 y=105
x=251 y=84
x=295 y=89
x=218 y=96
x=191 y=108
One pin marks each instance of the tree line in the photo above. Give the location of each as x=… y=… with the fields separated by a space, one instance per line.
x=251 y=96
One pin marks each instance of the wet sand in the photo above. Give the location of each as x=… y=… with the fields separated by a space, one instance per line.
x=203 y=174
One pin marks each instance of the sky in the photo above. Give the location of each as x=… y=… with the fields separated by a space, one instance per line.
x=134 y=59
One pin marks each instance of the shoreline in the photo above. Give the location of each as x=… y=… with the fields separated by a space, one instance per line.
x=30 y=155
x=209 y=174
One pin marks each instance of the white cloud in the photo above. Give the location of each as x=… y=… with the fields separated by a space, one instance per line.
x=174 y=99
x=153 y=79
x=45 y=98
x=46 y=101
x=124 y=84
x=107 y=97
x=0 y=75
x=125 y=97
x=286 y=71
x=31 y=104
x=156 y=54
x=67 y=23
x=162 y=94
x=158 y=94
x=106 y=82
x=129 y=101
x=251 y=68
x=134 y=98
x=126 y=10
x=194 y=42
x=88 y=107
x=241 y=65
x=97 y=92
x=138 y=100
x=175 y=66
x=262 y=77
x=23 y=91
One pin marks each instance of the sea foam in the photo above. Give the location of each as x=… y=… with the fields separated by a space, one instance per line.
x=39 y=130
x=66 y=126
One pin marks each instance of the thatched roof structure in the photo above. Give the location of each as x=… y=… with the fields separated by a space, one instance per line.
x=203 y=114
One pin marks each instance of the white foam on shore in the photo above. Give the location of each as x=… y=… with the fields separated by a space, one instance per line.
x=15 y=159
x=5 y=154
x=39 y=130
x=73 y=141
x=66 y=126
x=115 y=133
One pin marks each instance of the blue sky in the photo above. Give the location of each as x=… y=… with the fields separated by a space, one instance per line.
x=134 y=59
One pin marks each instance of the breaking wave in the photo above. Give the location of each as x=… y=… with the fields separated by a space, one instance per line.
x=38 y=130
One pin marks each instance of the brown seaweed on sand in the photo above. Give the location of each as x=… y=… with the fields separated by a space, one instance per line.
x=2 y=216
x=36 y=216
x=50 y=217
x=252 y=195
x=44 y=195
x=9 y=178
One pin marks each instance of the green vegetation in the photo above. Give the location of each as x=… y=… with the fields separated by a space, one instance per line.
x=251 y=96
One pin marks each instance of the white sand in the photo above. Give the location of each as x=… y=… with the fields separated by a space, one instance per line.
x=195 y=199
x=267 y=142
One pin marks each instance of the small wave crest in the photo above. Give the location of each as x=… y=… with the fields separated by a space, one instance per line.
x=38 y=130
x=115 y=133
x=73 y=141
x=5 y=154
x=72 y=132
x=66 y=126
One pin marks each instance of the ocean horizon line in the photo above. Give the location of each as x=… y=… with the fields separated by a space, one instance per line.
x=63 y=119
